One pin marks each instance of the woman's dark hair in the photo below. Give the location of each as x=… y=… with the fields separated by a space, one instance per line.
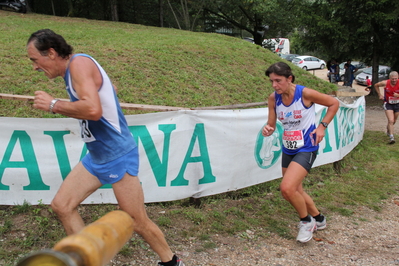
x=46 y=39
x=281 y=69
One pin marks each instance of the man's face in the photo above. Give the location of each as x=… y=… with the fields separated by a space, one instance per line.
x=394 y=79
x=41 y=62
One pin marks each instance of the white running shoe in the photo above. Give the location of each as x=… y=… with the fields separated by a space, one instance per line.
x=306 y=230
x=321 y=225
x=391 y=140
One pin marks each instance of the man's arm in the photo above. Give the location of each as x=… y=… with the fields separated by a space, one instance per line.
x=377 y=88
x=86 y=80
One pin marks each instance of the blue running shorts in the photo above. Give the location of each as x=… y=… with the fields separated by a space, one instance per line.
x=305 y=159
x=112 y=172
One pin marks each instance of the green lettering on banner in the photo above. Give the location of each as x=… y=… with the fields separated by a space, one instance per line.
x=84 y=152
x=328 y=147
x=336 y=130
x=347 y=126
x=60 y=151
x=30 y=162
x=159 y=168
x=199 y=132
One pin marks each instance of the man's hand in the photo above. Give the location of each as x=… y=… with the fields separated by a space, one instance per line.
x=42 y=100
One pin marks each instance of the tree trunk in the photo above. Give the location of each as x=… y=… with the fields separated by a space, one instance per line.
x=174 y=14
x=161 y=13
x=114 y=10
x=375 y=63
x=259 y=32
x=70 y=8
x=52 y=5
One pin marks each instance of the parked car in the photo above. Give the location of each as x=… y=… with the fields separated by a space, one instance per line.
x=383 y=74
x=359 y=65
x=309 y=62
x=13 y=5
x=249 y=39
x=289 y=57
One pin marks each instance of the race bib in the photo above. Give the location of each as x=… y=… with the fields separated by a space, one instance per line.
x=85 y=132
x=293 y=140
x=393 y=100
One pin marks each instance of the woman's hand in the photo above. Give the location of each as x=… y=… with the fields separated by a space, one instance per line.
x=320 y=133
x=267 y=131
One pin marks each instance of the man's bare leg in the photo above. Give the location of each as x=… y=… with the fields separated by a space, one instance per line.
x=77 y=186
x=130 y=197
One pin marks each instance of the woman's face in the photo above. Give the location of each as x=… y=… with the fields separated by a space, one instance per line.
x=280 y=84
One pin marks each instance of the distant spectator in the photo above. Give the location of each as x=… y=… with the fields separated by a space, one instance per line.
x=368 y=81
x=334 y=71
x=347 y=75
x=352 y=70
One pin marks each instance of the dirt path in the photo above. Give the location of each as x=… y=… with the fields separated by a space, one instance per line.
x=366 y=238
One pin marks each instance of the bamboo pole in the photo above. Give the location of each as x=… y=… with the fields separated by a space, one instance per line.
x=127 y=106
x=146 y=107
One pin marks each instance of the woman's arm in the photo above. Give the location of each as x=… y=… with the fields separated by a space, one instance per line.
x=269 y=128
x=311 y=96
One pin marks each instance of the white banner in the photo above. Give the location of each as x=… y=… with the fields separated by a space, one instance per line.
x=182 y=153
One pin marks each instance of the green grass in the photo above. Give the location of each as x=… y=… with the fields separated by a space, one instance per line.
x=149 y=65
x=180 y=68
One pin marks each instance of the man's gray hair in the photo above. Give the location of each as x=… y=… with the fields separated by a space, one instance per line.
x=393 y=73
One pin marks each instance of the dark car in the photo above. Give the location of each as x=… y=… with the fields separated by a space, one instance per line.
x=13 y=5
x=289 y=57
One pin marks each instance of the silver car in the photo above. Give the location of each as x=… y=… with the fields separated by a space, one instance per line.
x=309 y=62
x=383 y=74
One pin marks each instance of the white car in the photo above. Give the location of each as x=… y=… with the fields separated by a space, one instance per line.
x=307 y=62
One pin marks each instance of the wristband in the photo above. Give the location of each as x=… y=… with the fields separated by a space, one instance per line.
x=52 y=103
x=324 y=124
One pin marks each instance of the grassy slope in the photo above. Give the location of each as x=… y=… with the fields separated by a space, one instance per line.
x=149 y=65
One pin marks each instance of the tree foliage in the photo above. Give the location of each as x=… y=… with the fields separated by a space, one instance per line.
x=253 y=15
x=196 y=15
x=367 y=30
